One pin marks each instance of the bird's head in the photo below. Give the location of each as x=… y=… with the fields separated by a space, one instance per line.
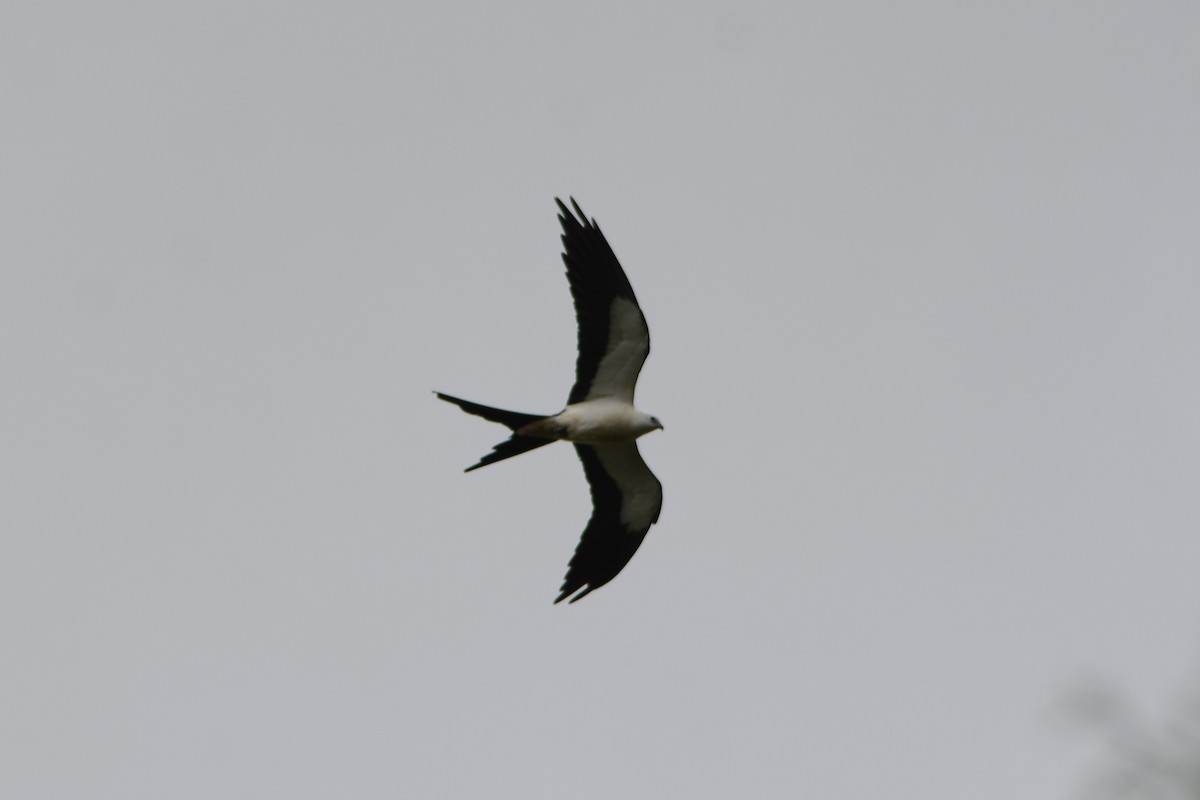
x=648 y=423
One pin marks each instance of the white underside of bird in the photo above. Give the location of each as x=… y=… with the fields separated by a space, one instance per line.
x=601 y=421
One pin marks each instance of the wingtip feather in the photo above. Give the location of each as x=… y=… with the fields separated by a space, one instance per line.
x=568 y=592
x=582 y=216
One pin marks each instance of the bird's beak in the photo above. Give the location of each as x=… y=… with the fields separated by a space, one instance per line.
x=660 y=427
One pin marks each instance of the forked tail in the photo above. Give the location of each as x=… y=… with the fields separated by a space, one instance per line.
x=512 y=420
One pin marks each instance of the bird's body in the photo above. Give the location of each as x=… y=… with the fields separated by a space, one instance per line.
x=601 y=421
x=600 y=418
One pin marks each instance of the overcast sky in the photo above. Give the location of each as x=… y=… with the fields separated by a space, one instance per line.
x=923 y=282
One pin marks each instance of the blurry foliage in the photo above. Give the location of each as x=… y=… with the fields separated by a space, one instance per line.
x=1145 y=759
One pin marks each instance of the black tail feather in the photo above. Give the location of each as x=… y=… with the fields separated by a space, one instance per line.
x=509 y=448
x=512 y=420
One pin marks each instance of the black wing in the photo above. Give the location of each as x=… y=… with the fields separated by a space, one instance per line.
x=626 y=500
x=613 y=338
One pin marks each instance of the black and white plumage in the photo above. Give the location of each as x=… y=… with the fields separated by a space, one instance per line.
x=600 y=418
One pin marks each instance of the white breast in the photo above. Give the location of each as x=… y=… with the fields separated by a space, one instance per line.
x=603 y=420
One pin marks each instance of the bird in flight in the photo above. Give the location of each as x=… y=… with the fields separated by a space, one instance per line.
x=600 y=418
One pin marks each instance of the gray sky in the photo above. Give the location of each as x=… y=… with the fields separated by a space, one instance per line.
x=923 y=285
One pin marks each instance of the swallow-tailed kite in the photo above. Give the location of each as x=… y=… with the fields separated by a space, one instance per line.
x=600 y=419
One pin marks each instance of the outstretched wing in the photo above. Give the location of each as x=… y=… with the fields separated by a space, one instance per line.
x=613 y=338
x=626 y=499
